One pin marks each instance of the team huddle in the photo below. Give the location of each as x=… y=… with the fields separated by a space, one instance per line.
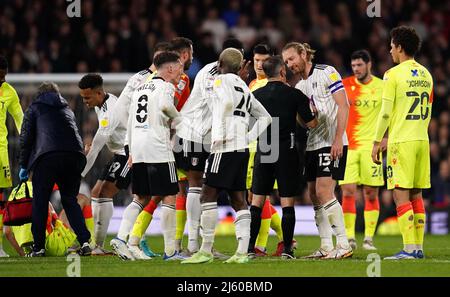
x=182 y=148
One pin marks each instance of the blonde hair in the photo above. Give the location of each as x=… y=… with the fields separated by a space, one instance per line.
x=232 y=58
x=300 y=48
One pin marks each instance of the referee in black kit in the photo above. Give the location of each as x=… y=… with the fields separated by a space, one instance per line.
x=285 y=103
x=51 y=147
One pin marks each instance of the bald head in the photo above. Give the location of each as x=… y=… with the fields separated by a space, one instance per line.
x=230 y=60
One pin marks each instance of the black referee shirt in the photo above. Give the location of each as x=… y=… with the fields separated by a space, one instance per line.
x=284 y=102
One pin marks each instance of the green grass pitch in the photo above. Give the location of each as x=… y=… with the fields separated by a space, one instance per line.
x=437 y=262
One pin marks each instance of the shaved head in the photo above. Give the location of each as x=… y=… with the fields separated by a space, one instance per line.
x=230 y=60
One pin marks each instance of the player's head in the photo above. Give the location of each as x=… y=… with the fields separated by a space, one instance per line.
x=405 y=42
x=296 y=55
x=233 y=43
x=183 y=46
x=261 y=53
x=361 y=62
x=230 y=61
x=3 y=68
x=160 y=47
x=91 y=90
x=169 y=66
x=274 y=67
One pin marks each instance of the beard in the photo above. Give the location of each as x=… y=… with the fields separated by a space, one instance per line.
x=187 y=65
x=363 y=76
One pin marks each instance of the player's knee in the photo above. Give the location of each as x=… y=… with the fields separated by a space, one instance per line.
x=195 y=179
x=323 y=193
x=108 y=190
x=238 y=204
x=96 y=192
x=348 y=190
x=370 y=193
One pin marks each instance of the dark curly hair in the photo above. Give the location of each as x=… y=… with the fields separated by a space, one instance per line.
x=90 y=81
x=407 y=38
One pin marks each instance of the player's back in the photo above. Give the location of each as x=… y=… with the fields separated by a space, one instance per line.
x=233 y=100
x=124 y=101
x=150 y=134
x=196 y=113
x=409 y=85
x=365 y=105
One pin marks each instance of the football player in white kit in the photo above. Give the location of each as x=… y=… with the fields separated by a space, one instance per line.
x=194 y=130
x=326 y=151
x=116 y=174
x=151 y=155
x=232 y=105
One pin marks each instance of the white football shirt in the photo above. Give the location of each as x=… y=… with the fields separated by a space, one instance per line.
x=232 y=105
x=322 y=82
x=151 y=109
x=110 y=132
x=196 y=123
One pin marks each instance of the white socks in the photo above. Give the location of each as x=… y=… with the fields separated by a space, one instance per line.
x=168 y=226
x=242 y=224
x=324 y=227
x=128 y=218
x=194 y=211
x=208 y=223
x=102 y=211
x=336 y=217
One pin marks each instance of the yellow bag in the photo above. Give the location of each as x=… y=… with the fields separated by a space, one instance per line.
x=23 y=234
x=61 y=238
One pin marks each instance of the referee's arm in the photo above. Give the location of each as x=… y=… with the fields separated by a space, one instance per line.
x=306 y=116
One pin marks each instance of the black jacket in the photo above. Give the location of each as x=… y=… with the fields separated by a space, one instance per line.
x=48 y=126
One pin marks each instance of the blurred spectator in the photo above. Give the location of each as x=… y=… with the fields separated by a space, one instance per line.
x=441 y=185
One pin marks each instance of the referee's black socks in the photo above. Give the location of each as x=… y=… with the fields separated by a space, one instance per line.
x=255 y=224
x=288 y=225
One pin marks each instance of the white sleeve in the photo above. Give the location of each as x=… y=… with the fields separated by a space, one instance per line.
x=263 y=119
x=333 y=80
x=129 y=125
x=222 y=105
x=166 y=102
x=124 y=101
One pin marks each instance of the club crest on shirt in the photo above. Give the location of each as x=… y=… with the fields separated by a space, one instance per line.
x=194 y=161
x=181 y=85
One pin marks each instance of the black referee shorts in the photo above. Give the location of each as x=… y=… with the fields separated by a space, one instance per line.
x=286 y=170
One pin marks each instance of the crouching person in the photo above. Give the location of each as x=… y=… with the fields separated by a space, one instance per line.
x=51 y=148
